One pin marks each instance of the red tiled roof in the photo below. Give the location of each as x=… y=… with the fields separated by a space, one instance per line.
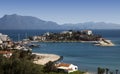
x=5 y=52
x=63 y=64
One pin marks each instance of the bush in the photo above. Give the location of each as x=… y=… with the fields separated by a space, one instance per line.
x=49 y=67
x=77 y=72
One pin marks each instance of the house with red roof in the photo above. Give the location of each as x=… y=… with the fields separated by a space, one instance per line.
x=6 y=54
x=66 y=67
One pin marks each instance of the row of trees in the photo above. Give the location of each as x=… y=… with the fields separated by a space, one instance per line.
x=106 y=70
x=74 y=36
x=18 y=66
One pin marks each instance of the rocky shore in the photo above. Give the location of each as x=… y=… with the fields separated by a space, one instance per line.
x=105 y=43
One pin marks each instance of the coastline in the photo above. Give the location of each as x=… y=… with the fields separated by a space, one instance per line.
x=66 y=41
x=105 y=43
x=42 y=58
x=97 y=43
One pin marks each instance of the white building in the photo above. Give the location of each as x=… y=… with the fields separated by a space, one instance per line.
x=6 y=54
x=47 y=34
x=35 y=38
x=88 y=32
x=1 y=41
x=41 y=38
x=65 y=32
x=3 y=37
x=18 y=47
x=67 y=67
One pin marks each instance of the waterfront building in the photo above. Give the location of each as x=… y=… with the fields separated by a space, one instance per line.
x=41 y=38
x=6 y=54
x=66 y=67
x=1 y=41
x=47 y=34
x=87 y=32
x=4 y=37
x=65 y=32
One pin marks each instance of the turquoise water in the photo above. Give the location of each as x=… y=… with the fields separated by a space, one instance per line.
x=85 y=55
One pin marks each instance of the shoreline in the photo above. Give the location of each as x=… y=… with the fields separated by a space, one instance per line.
x=97 y=43
x=105 y=43
x=43 y=58
x=66 y=41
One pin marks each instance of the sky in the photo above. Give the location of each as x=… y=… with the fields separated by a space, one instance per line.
x=64 y=11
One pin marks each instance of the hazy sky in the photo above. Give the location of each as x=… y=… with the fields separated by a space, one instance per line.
x=65 y=11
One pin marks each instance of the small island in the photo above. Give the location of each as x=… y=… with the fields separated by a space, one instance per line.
x=73 y=36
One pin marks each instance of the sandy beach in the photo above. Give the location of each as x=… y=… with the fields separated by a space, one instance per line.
x=42 y=58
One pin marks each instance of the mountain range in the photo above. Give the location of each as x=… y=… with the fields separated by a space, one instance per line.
x=15 y=21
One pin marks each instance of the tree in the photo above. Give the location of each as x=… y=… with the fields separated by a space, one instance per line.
x=116 y=71
x=101 y=70
x=49 y=67
x=107 y=70
x=111 y=72
x=2 y=60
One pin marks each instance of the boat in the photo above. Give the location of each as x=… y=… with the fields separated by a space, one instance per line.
x=33 y=45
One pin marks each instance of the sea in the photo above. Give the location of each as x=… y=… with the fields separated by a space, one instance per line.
x=86 y=56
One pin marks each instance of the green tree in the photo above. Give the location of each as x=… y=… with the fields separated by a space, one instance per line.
x=49 y=67
x=107 y=70
x=111 y=72
x=101 y=70
x=116 y=71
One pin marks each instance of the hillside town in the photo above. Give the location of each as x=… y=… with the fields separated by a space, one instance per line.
x=7 y=44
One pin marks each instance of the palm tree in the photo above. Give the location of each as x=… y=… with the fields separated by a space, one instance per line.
x=116 y=71
x=107 y=70
x=111 y=72
x=101 y=70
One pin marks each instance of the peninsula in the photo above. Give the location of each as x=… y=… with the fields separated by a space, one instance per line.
x=73 y=36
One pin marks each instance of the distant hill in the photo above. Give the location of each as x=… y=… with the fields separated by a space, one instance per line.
x=93 y=25
x=25 y=22
x=15 y=21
